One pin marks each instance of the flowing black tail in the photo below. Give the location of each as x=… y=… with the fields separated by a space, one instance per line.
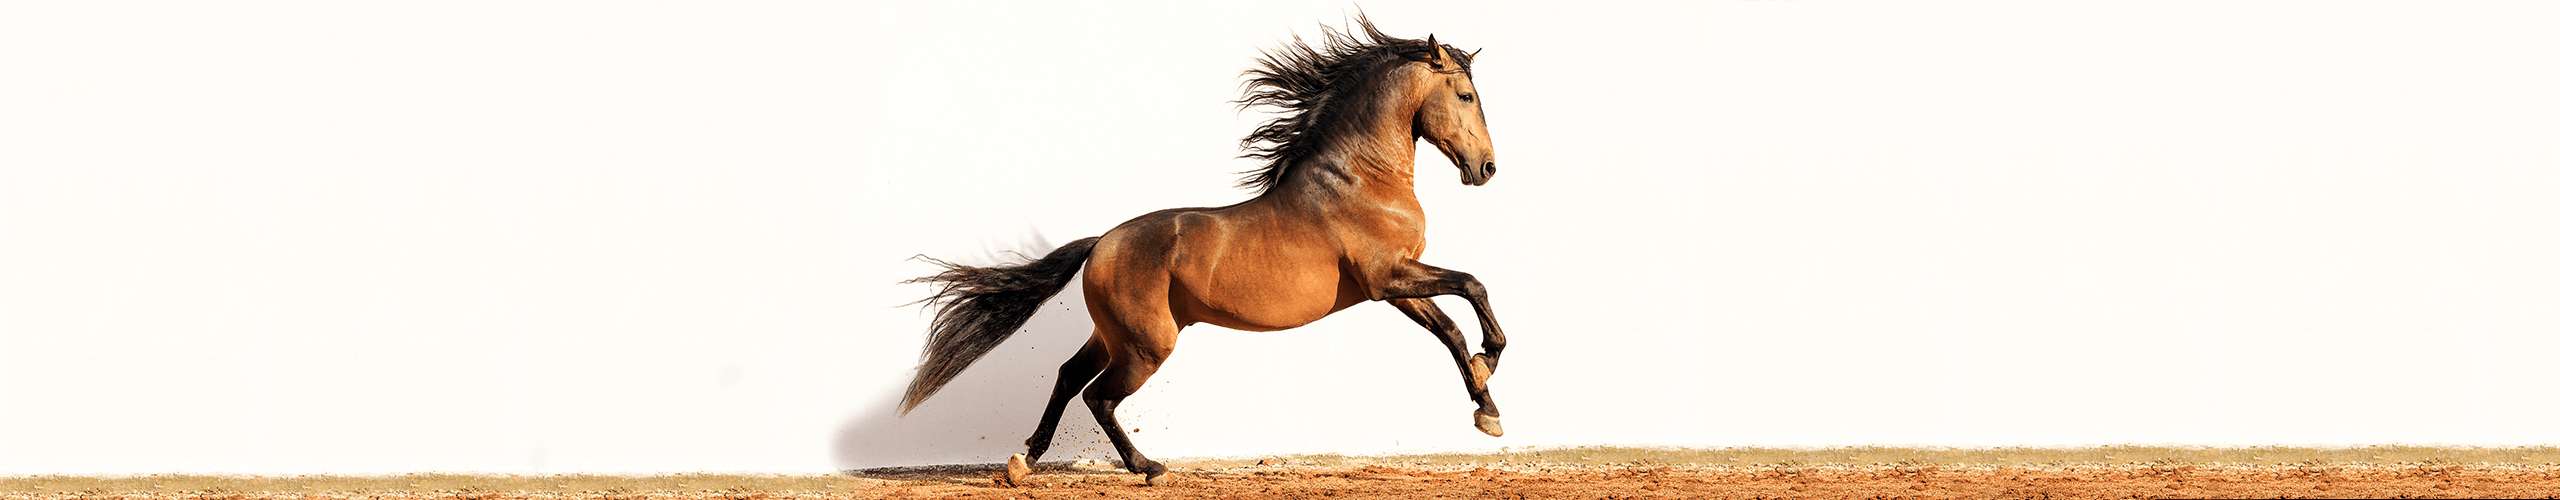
x=980 y=307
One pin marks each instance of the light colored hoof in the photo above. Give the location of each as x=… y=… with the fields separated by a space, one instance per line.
x=1160 y=479
x=1477 y=367
x=1015 y=469
x=1491 y=425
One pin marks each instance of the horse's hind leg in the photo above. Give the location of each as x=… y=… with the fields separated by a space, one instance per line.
x=1072 y=377
x=1130 y=367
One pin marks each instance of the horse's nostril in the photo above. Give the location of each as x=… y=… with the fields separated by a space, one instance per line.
x=1488 y=168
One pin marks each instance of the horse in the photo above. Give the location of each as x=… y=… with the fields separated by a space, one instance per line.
x=1334 y=223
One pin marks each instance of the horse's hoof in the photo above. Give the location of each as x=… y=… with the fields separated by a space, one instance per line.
x=1156 y=475
x=1481 y=367
x=1015 y=469
x=1491 y=425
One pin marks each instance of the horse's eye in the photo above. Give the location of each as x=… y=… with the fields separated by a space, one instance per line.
x=1467 y=96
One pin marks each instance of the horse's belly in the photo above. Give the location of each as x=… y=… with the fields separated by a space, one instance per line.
x=1267 y=302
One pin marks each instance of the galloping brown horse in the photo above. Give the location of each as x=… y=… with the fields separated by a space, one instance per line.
x=1336 y=224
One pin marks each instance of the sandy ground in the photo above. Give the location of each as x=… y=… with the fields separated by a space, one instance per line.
x=1567 y=473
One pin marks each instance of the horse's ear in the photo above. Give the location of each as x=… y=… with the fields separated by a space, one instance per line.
x=1438 y=52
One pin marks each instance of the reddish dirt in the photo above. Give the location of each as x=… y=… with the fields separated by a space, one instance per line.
x=2182 y=481
x=1420 y=479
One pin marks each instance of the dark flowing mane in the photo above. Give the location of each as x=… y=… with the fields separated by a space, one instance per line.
x=1314 y=89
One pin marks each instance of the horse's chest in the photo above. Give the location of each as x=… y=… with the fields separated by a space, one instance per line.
x=1395 y=232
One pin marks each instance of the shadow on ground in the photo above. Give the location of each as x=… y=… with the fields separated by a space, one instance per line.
x=984 y=416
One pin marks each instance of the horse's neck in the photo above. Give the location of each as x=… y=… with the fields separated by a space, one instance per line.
x=1388 y=178
x=1357 y=172
x=1372 y=168
x=1378 y=163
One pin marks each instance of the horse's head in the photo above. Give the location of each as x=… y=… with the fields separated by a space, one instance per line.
x=1452 y=115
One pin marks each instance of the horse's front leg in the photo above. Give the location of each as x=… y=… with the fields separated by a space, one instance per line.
x=1417 y=282
x=1471 y=371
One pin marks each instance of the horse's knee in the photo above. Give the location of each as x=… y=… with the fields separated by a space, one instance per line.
x=1467 y=285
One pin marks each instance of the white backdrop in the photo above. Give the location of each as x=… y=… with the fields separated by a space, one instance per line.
x=287 y=237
